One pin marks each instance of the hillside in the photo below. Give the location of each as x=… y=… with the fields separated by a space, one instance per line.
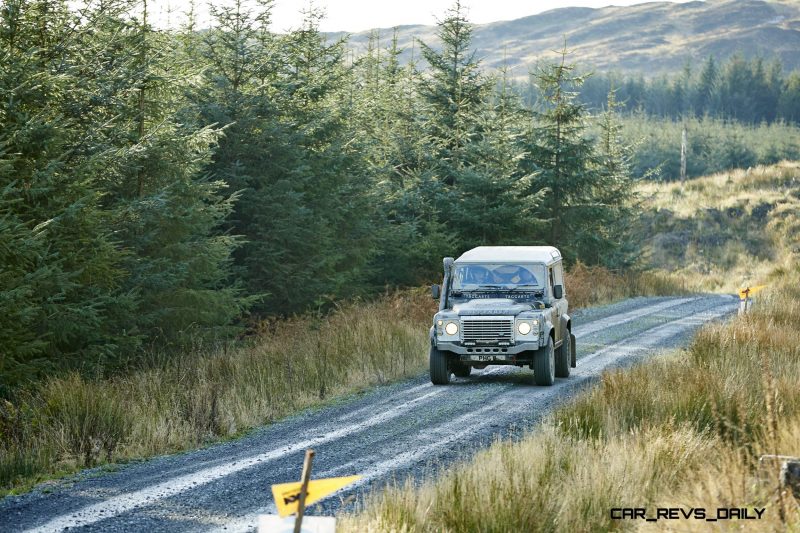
x=649 y=38
x=723 y=231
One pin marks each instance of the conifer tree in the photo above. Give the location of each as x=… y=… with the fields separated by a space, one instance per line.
x=454 y=93
x=707 y=90
x=62 y=269
x=304 y=207
x=169 y=212
x=789 y=101
x=610 y=241
x=475 y=193
x=105 y=190
x=562 y=156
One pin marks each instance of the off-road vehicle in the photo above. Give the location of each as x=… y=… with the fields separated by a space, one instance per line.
x=502 y=305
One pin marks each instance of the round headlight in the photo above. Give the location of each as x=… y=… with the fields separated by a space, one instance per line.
x=524 y=328
x=451 y=328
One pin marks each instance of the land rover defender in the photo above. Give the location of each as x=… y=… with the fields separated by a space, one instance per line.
x=502 y=305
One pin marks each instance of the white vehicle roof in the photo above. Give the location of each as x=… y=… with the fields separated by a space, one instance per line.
x=511 y=254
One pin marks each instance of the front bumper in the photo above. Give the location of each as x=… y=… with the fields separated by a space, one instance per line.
x=498 y=351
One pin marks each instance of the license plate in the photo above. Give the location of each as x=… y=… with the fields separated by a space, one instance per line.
x=486 y=358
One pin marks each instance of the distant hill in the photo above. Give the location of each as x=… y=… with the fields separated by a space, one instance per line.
x=649 y=38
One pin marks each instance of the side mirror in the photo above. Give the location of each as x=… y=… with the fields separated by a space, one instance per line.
x=436 y=291
x=558 y=291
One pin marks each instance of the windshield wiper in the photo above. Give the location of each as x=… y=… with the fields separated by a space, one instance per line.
x=527 y=285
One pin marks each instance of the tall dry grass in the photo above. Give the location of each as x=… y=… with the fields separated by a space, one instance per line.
x=546 y=482
x=596 y=285
x=177 y=404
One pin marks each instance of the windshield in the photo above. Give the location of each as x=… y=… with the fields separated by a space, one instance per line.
x=470 y=277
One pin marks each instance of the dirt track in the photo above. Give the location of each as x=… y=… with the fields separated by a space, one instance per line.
x=408 y=428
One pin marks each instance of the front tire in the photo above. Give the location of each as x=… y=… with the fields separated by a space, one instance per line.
x=544 y=365
x=564 y=357
x=437 y=361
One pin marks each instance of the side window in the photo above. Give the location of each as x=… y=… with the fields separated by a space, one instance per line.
x=559 y=277
x=550 y=276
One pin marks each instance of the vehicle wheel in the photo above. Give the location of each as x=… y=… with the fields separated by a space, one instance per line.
x=544 y=364
x=461 y=370
x=440 y=374
x=564 y=357
x=574 y=350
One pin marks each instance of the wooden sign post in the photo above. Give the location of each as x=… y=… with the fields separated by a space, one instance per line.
x=745 y=302
x=301 y=505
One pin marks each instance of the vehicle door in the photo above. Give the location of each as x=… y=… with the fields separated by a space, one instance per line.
x=561 y=304
x=555 y=309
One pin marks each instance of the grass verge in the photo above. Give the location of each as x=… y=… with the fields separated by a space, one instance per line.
x=70 y=422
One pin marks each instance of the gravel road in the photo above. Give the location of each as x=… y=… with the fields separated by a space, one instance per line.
x=407 y=428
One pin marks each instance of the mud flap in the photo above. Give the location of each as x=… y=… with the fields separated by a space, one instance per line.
x=574 y=361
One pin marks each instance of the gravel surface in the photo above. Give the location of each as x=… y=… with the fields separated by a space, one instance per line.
x=411 y=428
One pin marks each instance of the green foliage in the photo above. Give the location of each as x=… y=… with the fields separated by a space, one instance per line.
x=586 y=182
x=746 y=91
x=304 y=208
x=610 y=242
x=156 y=185
x=109 y=225
x=472 y=143
x=713 y=145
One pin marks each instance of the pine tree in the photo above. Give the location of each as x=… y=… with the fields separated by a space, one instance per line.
x=789 y=102
x=454 y=93
x=409 y=238
x=304 y=207
x=469 y=176
x=494 y=204
x=105 y=190
x=610 y=240
x=706 y=94
x=339 y=190
x=62 y=268
x=562 y=157
x=168 y=211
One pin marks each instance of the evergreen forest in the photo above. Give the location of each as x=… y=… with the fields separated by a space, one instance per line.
x=164 y=189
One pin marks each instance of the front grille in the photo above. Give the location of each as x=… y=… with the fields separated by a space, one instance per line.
x=486 y=330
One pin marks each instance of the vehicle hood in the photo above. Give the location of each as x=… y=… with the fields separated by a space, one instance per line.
x=491 y=306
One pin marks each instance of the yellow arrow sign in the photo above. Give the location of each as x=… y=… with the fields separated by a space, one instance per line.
x=749 y=291
x=287 y=495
